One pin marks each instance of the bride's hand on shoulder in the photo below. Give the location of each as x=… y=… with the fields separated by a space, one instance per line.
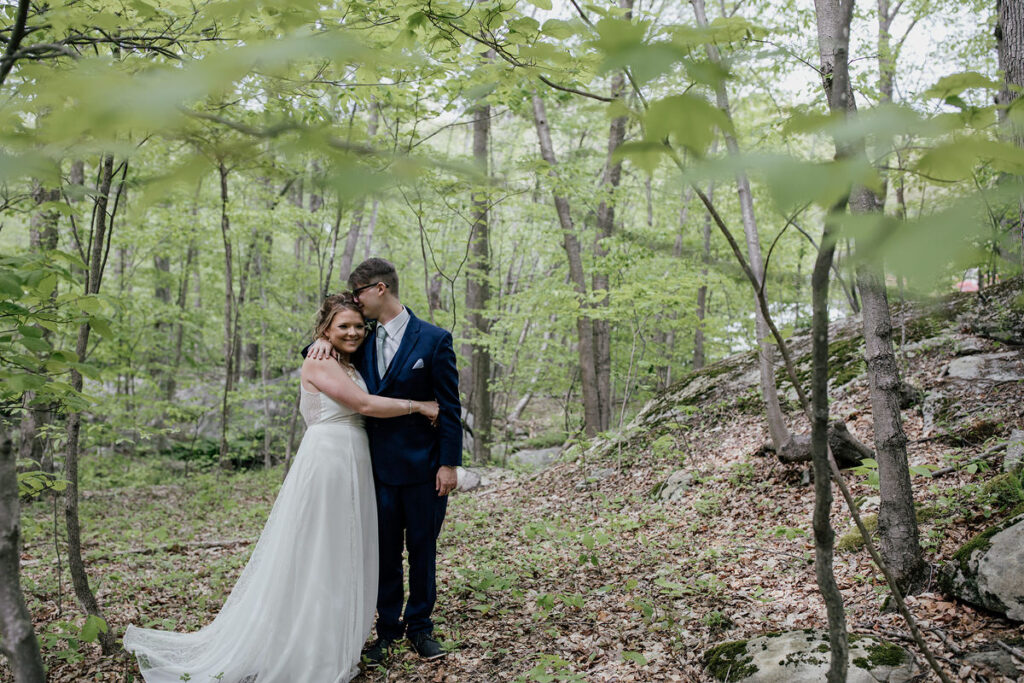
x=428 y=409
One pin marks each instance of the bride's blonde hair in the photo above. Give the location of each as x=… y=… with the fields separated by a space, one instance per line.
x=332 y=305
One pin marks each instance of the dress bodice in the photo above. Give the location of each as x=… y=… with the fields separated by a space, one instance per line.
x=319 y=408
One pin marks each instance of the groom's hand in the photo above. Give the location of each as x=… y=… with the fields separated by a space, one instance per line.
x=447 y=480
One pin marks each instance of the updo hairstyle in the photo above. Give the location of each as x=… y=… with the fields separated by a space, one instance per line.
x=332 y=305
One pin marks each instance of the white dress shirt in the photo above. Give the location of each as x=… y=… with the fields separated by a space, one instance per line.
x=396 y=330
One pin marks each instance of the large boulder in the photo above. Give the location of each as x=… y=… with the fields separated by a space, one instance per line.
x=988 y=571
x=1005 y=366
x=537 y=458
x=803 y=657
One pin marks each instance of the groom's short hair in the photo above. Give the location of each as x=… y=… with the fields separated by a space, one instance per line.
x=372 y=271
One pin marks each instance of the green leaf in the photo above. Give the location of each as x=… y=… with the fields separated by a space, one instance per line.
x=688 y=120
x=102 y=327
x=955 y=84
x=92 y=627
x=9 y=285
x=35 y=344
x=541 y=4
x=645 y=154
x=88 y=304
x=634 y=657
x=558 y=29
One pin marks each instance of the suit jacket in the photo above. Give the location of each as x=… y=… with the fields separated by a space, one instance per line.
x=407 y=450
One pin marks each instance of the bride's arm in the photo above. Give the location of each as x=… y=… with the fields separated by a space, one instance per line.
x=329 y=377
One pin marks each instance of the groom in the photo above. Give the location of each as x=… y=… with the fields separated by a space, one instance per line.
x=413 y=462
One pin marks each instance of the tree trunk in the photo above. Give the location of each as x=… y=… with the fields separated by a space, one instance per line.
x=610 y=180
x=898 y=537
x=93 y=277
x=179 y=328
x=17 y=639
x=478 y=293
x=702 y=291
x=824 y=536
x=229 y=297
x=899 y=542
x=352 y=239
x=1010 y=48
x=833 y=19
x=43 y=236
x=585 y=332
x=776 y=425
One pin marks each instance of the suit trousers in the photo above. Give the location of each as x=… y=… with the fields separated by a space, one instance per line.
x=412 y=516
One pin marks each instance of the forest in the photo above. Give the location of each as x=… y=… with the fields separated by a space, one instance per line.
x=735 y=289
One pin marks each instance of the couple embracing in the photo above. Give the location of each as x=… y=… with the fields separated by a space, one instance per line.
x=356 y=494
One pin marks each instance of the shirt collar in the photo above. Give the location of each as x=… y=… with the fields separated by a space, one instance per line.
x=398 y=323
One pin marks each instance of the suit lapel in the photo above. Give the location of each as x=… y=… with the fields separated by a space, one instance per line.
x=369 y=365
x=412 y=331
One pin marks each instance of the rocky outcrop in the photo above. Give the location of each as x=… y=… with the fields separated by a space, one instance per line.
x=674 y=488
x=803 y=657
x=988 y=571
x=1013 y=461
x=536 y=458
x=1006 y=366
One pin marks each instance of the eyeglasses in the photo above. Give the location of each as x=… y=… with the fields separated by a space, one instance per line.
x=356 y=292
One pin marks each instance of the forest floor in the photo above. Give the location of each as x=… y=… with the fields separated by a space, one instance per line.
x=576 y=572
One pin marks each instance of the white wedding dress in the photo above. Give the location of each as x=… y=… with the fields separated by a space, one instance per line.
x=304 y=604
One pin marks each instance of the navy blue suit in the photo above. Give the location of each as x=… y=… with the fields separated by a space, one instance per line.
x=406 y=453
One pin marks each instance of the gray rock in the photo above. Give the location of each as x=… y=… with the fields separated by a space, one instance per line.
x=988 y=571
x=970 y=346
x=538 y=458
x=468 y=479
x=803 y=657
x=1014 y=458
x=1000 y=660
x=1006 y=366
x=932 y=406
x=601 y=474
x=594 y=476
x=675 y=487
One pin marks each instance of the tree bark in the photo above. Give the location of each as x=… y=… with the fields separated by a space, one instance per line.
x=776 y=424
x=610 y=179
x=898 y=536
x=899 y=542
x=833 y=19
x=43 y=236
x=478 y=293
x=702 y=291
x=229 y=297
x=93 y=277
x=1010 y=49
x=358 y=215
x=17 y=639
x=584 y=329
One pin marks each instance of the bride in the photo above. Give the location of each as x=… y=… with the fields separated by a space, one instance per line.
x=303 y=606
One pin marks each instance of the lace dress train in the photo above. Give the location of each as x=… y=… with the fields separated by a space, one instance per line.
x=304 y=604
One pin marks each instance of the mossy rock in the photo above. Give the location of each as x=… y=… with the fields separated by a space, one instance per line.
x=1003 y=491
x=852 y=540
x=803 y=657
x=988 y=570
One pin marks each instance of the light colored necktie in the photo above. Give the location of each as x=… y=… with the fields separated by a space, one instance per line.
x=382 y=335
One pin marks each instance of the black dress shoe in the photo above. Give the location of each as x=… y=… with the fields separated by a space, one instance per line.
x=378 y=652
x=425 y=646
